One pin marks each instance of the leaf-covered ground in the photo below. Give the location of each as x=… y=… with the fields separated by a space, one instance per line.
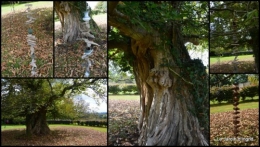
x=67 y=136
x=123 y=118
x=68 y=62
x=15 y=51
x=228 y=67
x=221 y=129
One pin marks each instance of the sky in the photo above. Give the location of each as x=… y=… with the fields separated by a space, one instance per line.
x=92 y=4
x=204 y=56
x=92 y=103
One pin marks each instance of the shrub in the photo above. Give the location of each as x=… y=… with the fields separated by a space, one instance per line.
x=249 y=91
x=114 y=89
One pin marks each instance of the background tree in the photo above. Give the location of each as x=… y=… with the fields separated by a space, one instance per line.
x=149 y=38
x=235 y=25
x=101 y=7
x=32 y=98
x=227 y=79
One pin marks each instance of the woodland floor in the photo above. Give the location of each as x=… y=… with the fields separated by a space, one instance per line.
x=221 y=128
x=69 y=136
x=123 y=118
x=15 y=52
x=68 y=62
x=229 y=67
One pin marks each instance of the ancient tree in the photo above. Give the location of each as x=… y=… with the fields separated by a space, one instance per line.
x=149 y=38
x=33 y=98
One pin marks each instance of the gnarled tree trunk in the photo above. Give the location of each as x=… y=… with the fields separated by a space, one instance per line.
x=70 y=19
x=254 y=32
x=166 y=102
x=167 y=105
x=36 y=123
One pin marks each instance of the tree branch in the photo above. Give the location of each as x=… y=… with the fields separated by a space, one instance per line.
x=50 y=86
x=112 y=5
x=132 y=32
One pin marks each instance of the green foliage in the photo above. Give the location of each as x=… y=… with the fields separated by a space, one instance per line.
x=231 y=22
x=159 y=18
x=101 y=7
x=227 y=79
x=253 y=79
x=249 y=91
x=124 y=89
x=225 y=93
x=27 y=96
x=196 y=73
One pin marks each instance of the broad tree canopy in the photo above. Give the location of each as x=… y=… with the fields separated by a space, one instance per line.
x=33 y=98
x=234 y=25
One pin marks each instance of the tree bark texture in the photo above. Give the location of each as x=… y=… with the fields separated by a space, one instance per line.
x=36 y=123
x=254 y=32
x=70 y=19
x=166 y=102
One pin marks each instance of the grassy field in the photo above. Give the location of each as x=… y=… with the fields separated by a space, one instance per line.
x=124 y=97
x=12 y=127
x=248 y=103
x=229 y=107
x=6 y=9
x=214 y=60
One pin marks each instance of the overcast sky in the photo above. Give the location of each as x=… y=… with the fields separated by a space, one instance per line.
x=92 y=4
x=93 y=105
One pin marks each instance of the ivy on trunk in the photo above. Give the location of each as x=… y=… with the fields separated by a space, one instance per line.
x=174 y=99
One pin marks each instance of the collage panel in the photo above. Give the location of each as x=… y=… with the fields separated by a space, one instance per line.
x=54 y=112
x=234 y=109
x=234 y=35
x=27 y=39
x=234 y=86
x=54 y=99
x=80 y=39
x=158 y=76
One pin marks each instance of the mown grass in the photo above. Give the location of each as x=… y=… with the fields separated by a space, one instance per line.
x=214 y=60
x=7 y=8
x=12 y=127
x=124 y=97
x=243 y=105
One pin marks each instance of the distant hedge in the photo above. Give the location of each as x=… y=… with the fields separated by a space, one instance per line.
x=66 y=122
x=227 y=54
x=225 y=93
x=93 y=123
x=124 y=89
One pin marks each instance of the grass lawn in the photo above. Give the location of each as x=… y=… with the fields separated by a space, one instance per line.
x=243 y=105
x=21 y=7
x=124 y=97
x=214 y=60
x=12 y=127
